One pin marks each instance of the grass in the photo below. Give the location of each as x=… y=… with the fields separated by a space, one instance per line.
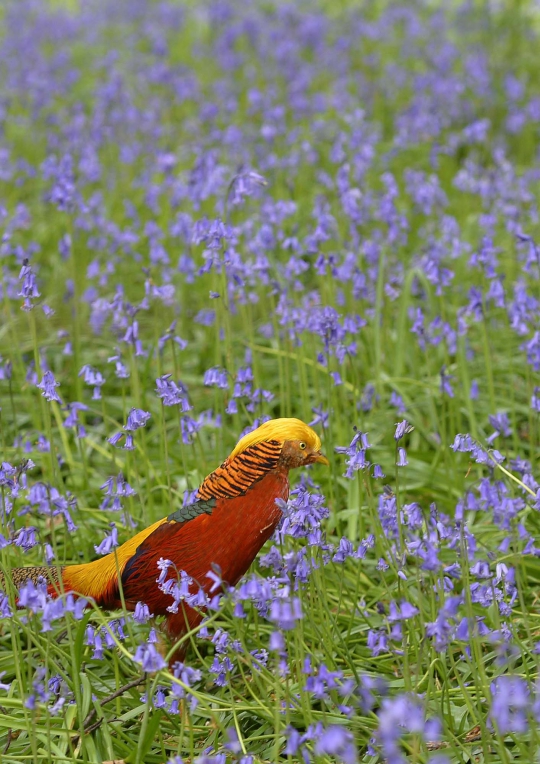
x=146 y=80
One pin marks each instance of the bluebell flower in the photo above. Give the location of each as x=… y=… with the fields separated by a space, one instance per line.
x=402 y=428
x=336 y=741
x=401 y=460
x=443 y=628
x=31 y=596
x=47 y=387
x=94 y=378
x=109 y=543
x=356 y=451
x=345 y=550
x=400 y=714
x=321 y=417
x=397 y=401
x=216 y=377
x=446 y=387
x=510 y=705
x=5 y=607
x=377 y=642
x=28 y=289
x=26 y=538
x=121 y=370
x=116 y=438
x=293 y=739
x=500 y=424
x=172 y=393
x=205 y=317
x=171 y=336
x=286 y=612
x=142 y=613
x=233 y=743
x=72 y=420
x=136 y=418
x=149 y=658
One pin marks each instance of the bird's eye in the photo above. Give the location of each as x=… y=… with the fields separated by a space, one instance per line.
x=302 y=446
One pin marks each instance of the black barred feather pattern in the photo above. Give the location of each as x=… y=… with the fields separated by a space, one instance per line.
x=236 y=476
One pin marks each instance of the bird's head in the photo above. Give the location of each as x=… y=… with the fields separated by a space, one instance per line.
x=300 y=445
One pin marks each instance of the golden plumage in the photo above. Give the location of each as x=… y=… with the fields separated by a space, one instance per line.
x=279 y=430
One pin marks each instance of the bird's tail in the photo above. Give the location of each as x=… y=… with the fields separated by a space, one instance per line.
x=35 y=573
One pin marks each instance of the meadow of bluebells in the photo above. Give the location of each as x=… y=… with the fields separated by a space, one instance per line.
x=219 y=212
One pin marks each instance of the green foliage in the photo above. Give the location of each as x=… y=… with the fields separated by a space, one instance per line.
x=342 y=602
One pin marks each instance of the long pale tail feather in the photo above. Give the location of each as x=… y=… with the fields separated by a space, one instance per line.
x=97 y=579
x=21 y=576
x=175 y=624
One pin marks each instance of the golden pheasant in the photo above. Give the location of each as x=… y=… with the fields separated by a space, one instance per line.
x=234 y=513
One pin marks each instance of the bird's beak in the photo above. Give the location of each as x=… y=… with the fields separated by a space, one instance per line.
x=320 y=457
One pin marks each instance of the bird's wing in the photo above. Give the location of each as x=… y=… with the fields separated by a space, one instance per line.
x=154 y=542
x=99 y=579
x=191 y=511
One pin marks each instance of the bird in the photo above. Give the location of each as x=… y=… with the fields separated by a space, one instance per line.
x=235 y=511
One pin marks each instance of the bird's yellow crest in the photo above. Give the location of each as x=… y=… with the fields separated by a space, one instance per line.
x=279 y=430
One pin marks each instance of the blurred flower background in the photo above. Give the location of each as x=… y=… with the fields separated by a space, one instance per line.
x=218 y=212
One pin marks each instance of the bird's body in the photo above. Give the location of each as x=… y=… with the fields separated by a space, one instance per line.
x=234 y=513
